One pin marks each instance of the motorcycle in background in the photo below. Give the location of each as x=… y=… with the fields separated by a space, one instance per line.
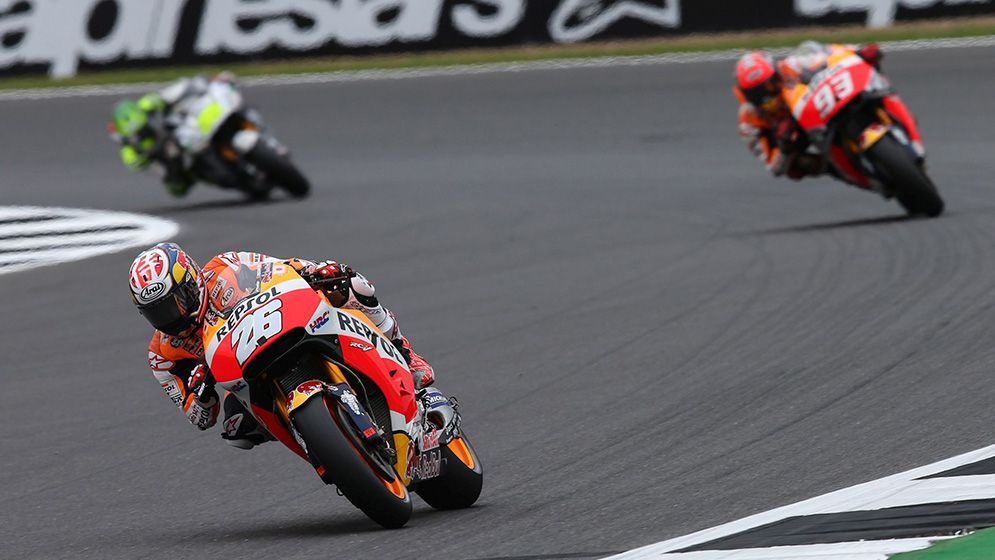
x=206 y=134
x=218 y=121
x=844 y=108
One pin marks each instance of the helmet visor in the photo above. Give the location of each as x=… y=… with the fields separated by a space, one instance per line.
x=175 y=313
x=167 y=316
x=764 y=96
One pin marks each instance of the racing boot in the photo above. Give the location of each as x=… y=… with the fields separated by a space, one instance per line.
x=421 y=371
x=240 y=429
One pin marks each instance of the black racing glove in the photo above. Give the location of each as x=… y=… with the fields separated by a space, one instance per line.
x=331 y=277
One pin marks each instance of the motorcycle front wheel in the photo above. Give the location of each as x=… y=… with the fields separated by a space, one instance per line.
x=913 y=189
x=363 y=478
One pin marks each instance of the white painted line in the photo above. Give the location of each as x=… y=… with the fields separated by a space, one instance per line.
x=896 y=490
x=864 y=550
x=34 y=236
x=472 y=69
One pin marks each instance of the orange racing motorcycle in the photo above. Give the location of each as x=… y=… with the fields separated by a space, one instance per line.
x=326 y=383
x=846 y=110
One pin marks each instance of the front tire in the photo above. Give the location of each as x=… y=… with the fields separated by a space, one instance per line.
x=280 y=170
x=460 y=483
x=332 y=443
x=913 y=189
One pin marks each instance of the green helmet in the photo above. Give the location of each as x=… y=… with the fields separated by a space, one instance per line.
x=129 y=118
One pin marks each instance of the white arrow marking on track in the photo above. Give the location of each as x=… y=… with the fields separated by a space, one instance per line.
x=33 y=236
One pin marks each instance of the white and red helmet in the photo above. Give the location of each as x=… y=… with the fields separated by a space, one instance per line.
x=166 y=287
x=758 y=80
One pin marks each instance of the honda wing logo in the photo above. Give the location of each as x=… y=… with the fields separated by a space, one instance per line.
x=578 y=20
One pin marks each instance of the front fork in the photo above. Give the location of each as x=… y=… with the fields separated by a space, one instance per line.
x=337 y=388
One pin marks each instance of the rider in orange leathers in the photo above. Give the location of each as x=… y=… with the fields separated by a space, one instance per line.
x=175 y=296
x=765 y=120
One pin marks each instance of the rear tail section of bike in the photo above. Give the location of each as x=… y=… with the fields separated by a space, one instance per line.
x=447 y=473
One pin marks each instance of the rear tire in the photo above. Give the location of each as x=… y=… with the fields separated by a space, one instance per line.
x=332 y=443
x=459 y=484
x=913 y=188
x=280 y=170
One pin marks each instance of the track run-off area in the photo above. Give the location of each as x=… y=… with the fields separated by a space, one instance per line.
x=649 y=336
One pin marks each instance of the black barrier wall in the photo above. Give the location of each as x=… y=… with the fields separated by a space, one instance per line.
x=62 y=37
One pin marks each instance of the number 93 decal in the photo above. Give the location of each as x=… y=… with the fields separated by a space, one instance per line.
x=258 y=327
x=840 y=86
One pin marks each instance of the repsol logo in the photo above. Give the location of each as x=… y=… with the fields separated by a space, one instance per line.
x=244 y=307
x=354 y=325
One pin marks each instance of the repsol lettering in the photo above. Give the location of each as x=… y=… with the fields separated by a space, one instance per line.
x=354 y=325
x=244 y=307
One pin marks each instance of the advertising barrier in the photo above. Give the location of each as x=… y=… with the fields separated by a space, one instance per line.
x=63 y=37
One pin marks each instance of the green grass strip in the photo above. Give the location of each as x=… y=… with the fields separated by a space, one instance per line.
x=976 y=546
x=978 y=27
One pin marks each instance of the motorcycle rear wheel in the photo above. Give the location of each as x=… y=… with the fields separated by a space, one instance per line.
x=331 y=442
x=460 y=483
x=913 y=189
x=280 y=170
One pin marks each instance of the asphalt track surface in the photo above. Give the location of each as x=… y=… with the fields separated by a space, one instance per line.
x=648 y=334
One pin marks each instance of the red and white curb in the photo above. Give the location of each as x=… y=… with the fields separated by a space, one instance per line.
x=33 y=236
x=909 y=488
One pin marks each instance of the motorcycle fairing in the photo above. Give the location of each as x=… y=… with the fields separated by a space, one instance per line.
x=204 y=115
x=366 y=349
x=299 y=308
x=842 y=82
x=249 y=326
x=815 y=104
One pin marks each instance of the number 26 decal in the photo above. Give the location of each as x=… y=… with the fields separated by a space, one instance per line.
x=253 y=331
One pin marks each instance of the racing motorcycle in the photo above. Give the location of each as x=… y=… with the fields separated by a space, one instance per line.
x=326 y=383
x=217 y=124
x=842 y=105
